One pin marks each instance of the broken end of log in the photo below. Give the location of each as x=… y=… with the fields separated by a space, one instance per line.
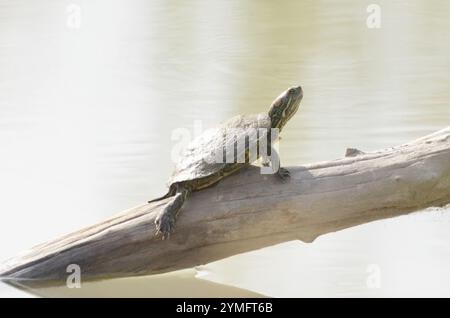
x=353 y=152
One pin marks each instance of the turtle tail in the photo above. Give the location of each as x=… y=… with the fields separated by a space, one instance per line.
x=170 y=193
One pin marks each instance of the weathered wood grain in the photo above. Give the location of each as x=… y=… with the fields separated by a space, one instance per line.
x=248 y=211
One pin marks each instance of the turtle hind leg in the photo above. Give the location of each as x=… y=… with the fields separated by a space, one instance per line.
x=165 y=221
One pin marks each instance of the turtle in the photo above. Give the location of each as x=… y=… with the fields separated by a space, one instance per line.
x=200 y=166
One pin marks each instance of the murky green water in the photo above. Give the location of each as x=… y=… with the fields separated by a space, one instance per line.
x=86 y=116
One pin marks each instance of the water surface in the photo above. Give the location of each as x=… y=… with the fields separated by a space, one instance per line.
x=86 y=116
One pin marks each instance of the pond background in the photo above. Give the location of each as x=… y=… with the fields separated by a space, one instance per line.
x=88 y=106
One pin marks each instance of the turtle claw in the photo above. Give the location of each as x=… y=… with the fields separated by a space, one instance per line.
x=164 y=224
x=284 y=174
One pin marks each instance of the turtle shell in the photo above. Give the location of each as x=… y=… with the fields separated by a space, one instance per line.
x=200 y=158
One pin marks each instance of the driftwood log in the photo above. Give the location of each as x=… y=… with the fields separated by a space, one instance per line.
x=248 y=211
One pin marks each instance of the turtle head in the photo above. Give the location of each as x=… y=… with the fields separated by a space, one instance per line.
x=285 y=106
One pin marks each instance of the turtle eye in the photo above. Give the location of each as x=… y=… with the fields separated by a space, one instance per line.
x=290 y=91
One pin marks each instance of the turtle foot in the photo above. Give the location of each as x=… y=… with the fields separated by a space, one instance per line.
x=284 y=174
x=165 y=223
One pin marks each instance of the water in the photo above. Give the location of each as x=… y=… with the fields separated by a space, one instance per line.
x=86 y=116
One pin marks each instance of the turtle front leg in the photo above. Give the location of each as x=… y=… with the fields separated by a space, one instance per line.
x=165 y=221
x=283 y=173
